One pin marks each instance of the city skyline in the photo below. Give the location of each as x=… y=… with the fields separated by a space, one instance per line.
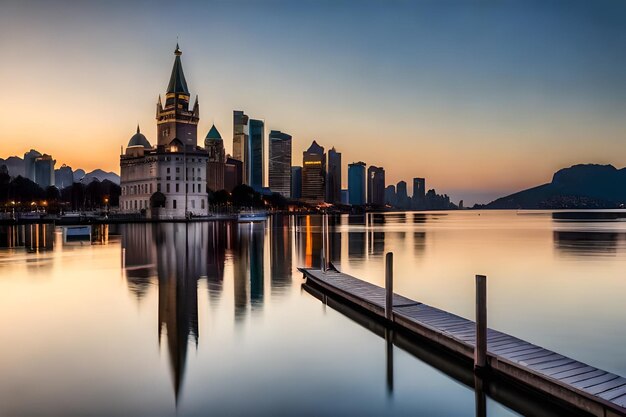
x=515 y=93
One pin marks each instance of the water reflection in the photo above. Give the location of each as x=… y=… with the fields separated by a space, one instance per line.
x=589 y=243
x=32 y=237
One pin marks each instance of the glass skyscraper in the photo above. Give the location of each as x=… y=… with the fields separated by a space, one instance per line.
x=256 y=166
x=356 y=183
x=280 y=163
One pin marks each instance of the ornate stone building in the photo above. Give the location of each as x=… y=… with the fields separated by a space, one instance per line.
x=167 y=180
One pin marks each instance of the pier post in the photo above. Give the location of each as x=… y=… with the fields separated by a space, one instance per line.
x=480 y=349
x=389 y=286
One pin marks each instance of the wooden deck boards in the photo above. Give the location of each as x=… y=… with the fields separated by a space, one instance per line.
x=608 y=389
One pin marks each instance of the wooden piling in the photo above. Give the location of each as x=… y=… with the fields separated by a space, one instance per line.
x=480 y=350
x=389 y=286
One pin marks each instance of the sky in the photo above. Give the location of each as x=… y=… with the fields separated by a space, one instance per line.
x=482 y=98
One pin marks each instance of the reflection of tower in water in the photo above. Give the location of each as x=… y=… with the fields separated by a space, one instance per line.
x=280 y=253
x=248 y=267
x=178 y=294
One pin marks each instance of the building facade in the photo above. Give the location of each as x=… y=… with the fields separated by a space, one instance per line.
x=376 y=185
x=333 y=177
x=402 y=198
x=419 y=193
x=296 y=182
x=256 y=154
x=314 y=174
x=214 y=145
x=356 y=183
x=167 y=180
x=280 y=163
x=232 y=174
x=240 y=141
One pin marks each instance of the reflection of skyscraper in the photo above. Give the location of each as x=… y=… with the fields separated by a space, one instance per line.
x=356 y=183
x=240 y=141
x=333 y=177
x=256 y=266
x=376 y=185
x=314 y=174
x=376 y=237
x=280 y=163
x=256 y=154
x=280 y=253
x=356 y=237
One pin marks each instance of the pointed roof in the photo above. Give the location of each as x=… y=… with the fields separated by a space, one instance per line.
x=177 y=84
x=315 y=148
x=213 y=134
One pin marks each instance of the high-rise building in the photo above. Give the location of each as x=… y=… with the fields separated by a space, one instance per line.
x=214 y=145
x=296 y=182
x=314 y=174
x=390 y=195
x=356 y=183
x=333 y=177
x=240 y=140
x=29 y=163
x=402 y=198
x=345 y=196
x=44 y=171
x=280 y=163
x=376 y=185
x=232 y=173
x=419 y=193
x=256 y=154
x=168 y=180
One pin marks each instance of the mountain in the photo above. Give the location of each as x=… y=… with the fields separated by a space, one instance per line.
x=15 y=165
x=579 y=186
x=100 y=175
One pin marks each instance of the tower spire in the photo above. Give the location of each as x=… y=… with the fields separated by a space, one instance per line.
x=177 y=84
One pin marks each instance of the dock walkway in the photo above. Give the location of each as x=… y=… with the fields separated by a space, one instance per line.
x=583 y=386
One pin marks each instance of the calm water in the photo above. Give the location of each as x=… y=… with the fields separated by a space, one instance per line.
x=211 y=318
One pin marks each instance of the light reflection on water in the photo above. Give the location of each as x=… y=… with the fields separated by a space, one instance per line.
x=163 y=319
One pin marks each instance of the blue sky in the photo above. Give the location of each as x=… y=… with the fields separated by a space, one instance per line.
x=481 y=98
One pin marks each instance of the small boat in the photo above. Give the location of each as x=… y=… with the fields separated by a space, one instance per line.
x=251 y=216
x=77 y=234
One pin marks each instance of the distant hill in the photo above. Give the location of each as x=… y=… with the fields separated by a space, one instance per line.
x=100 y=175
x=14 y=164
x=579 y=186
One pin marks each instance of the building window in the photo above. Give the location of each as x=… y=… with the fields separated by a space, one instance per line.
x=193 y=204
x=159 y=186
x=173 y=203
x=193 y=188
x=168 y=170
x=202 y=203
x=167 y=187
x=150 y=188
x=177 y=170
x=177 y=189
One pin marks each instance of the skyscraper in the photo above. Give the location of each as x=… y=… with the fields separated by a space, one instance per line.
x=296 y=182
x=402 y=198
x=314 y=174
x=256 y=153
x=280 y=163
x=214 y=144
x=419 y=193
x=356 y=183
x=390 y=195
x=240 y=141
x=376 y=185
x=232 y=173
x=333 y=177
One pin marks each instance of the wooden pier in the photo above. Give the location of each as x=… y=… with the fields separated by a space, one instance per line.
x=566 y=380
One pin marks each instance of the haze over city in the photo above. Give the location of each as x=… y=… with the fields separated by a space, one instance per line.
x=481 y=99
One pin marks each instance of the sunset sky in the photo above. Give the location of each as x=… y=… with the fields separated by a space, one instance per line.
x=481 y=98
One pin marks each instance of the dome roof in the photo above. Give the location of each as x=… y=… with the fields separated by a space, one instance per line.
x=213 y=134
x=139 y=139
